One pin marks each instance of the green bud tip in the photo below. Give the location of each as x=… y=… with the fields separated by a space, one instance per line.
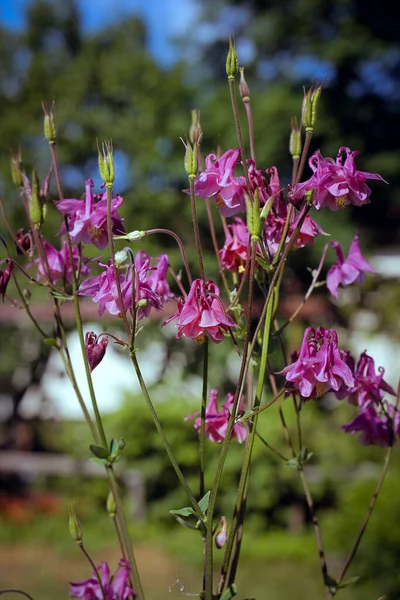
x=106 y=163
x=310 y=104
x=190 y=160
x=195 y=131
x=35 y=206
x=295 y=139
x=232 y=61
x=49 y=123
x=111 y=507
x=17 y=168
x=74 y=525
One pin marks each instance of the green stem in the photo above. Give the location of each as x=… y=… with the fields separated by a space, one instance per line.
x=95 y=571
x=196 y=228
x=124 y=531
x=163 y=437
x=235 y=110
x=181 y=248
x=274 y=450
x=203 y=419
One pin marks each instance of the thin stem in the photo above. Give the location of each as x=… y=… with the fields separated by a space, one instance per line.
x=235 y=110
x=181 y=248
x=15 y=591
x=294 y=169
x=367 y=517
x=274 y=450
x=251 y=128
x=196 y=228
x=124 y=531
x=95 y=571
x=118 y=535
x=304 y=153
x=313 y=513
x=203 y=419
x=166 y=444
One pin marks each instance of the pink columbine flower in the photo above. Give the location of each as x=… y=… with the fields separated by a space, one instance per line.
x=58 y=264
x=95 y=349
x=375 y=428
x=347 y=270
x=218 y=181
x=216 y=423
x=116 y=586
x=320 y=365
x=104 y=290
x=233 y=255
x=5 y=275
x=335 y=184
x=369 y=387
x=202 y=313
x=87 y=219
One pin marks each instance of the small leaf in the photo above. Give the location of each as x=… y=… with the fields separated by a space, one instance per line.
x=114 y=447
x=99 y=451
x=185 y=523
x=183 y=512
x=98 y=461
x=350 y=581
x=293 y=463
x=230 y=592
x=203 y=504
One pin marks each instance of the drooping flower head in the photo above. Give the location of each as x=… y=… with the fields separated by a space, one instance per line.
x=202 y=313
x=347 y=270
x=104 y=290
x=335 y=184
x=95 y=349
x=375 y=428
x=233 y=255
x=216 y=422
x=87 y=219
x=116 y=586
x=319 y=366
x=369 y=387
x=58 y=264
x=218 y=181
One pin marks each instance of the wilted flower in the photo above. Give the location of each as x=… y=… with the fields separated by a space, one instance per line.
x=216 y=423
x=347 y=270
x=116 y=586
x=320 y=365
x=5 y=275
x=95 y=349
x=335 y=184
x=218 y=181
x=87 y=219
x=202 y=313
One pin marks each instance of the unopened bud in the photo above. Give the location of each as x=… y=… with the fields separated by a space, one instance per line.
x=295 y=140
x=190 y=160
x=17 y=168
x=132 y=236
x=49 y=124
x=232 y=62
x=111 y=507
x=253 y=215
x=74 y=525
x=222 y=533
x=106 y=163
x=120 y=257
x=35 y=206
x=309 y=109
x=195 y=131
x=243 y=87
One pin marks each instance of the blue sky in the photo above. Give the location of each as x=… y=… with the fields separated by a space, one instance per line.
x=164 y=19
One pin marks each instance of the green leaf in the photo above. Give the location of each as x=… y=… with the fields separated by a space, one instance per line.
x=350 y=581
x=98 y=461
x=293 y=463
x=203 y=504
x=185 y=523
x=230 y=592
x=183 y=512
x=99 y=451
x=114 y=447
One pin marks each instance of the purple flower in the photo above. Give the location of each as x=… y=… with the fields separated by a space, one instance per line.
x=95 y=349
x=369 y=388
x=335 y=184
x=320 y=365
x=216 y=423
x=347 y=270
x=5 y=275
x=87 y=219
x=104 y=290
x=218 y=180
x=116 y=586
x=202 y=313
x=59 y=264
x=375 y=428
x=233 y=255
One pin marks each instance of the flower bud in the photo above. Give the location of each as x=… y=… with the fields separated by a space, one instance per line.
x=295 y=140
x=106 y=163
x=49 y=124
x=74 y=525
x=222 y=534
x=132 y=236
x=5 y=277
x=95 y=349
x=253 y=216
x=17 y=168
x=243 y=87
x=190 y=160
x=309 y=109
x=111 y=507
x=35 y=206
x=232 y=62
x=195 y=131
